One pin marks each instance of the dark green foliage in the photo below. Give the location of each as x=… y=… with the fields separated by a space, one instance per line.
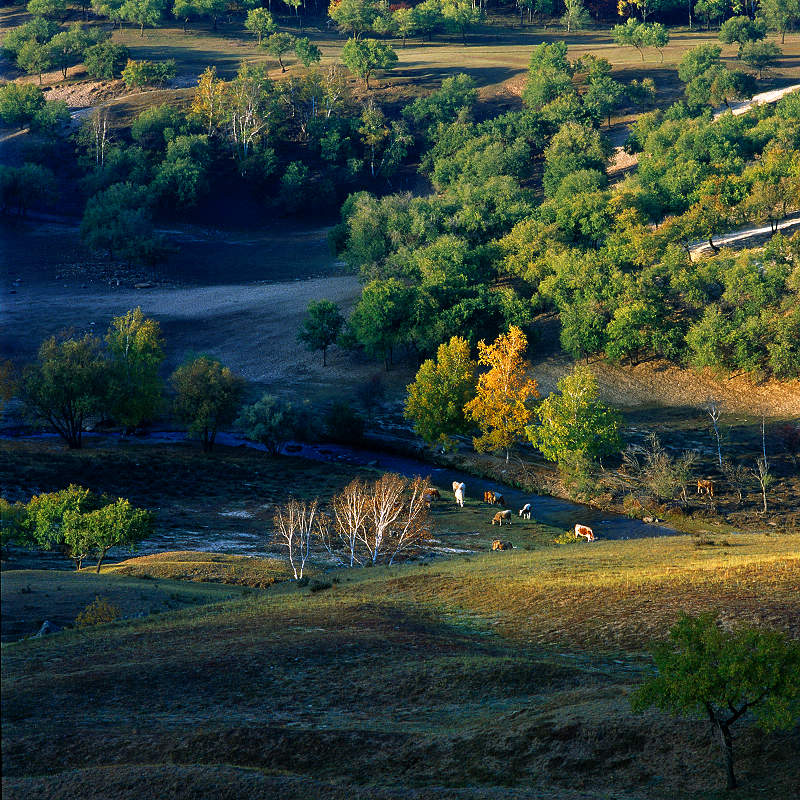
x=342 y=423
x=105 y=60
x=322 y=326
x=138 y=74
x=708 y=671
x=272 y=422
x=25 y=187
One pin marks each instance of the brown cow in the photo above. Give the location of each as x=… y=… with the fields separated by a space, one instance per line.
x=432 y=494
x=705 y=487
x=584 y=530
x=488 y=496
x=497 y=544
x=500 y=517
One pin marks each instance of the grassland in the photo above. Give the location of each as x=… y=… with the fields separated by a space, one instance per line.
x=501 y=675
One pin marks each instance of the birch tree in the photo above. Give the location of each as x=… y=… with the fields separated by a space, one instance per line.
x=296 y=524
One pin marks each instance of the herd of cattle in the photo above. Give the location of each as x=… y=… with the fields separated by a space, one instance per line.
x=496 y=499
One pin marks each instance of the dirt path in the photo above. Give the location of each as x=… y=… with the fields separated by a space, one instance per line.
x=747 y=235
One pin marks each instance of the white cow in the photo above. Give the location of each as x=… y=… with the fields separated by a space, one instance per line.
x=459 y=489
x=525 y=511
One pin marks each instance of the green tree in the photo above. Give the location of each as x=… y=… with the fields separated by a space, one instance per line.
x=698 y=60
x=40 y=29
x=353 y=16
x=278 y=45
x=260 y=23
x=105 y=60
x=549 y=75
x=307 y=52
x=575 y=147
x=428 y=17
x=138 y=74
x=67 y=47
x=741 y=30
x=441 y=390
x=67 y=385
x=136 y=352
x=115 y=524
x=461 y=16
x=19 y=103
x=208 y=396
x=723 y=675
x=760 y=56
x=321 y=327
x=780 y=15
x=630 y=34
x=380 y=320
x=118 y=219
x=271 y=422
x=53 y=9
x=363 y=56
x=186 y=10
x=710 y=10
x=575 y=15
x=30 y=185
x=573 y=423
x=34 y=58
x=142 y=12
x=405 y=23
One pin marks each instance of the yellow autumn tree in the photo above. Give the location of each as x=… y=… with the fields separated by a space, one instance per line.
x=501 y=407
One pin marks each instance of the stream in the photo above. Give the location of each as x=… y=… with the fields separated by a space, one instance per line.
x=549 y=510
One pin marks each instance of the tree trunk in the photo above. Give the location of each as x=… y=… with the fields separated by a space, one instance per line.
x=100 y=561
x=141 y=30
x=727 y=749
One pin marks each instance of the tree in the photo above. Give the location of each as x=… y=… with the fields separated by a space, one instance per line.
x=142 y=12
x=271 y=422
x=603 y=95
x=306 y=52
x=208 y=396
x=573 y=423
x=67 y=47
x=780 y=15
x=136 y=352
x=118 y=219
x=764 y=478
x=657 y=36
x=575 y=147
x=117 y=524
x=322 y=326
x=428 y=17
x=105 y=60
x=461 y=16
x=34 y=58
x=575 y=15
x=278 y=44
x=363 y=56
x=630 y=34
x=380 y=320
x=760 y=56
x=67 y=385
x=138 y=74
x=405 y=23
x=710 y=10
x=501 y=406
x=353 y=16
x=698 y=60
x=26 y=186
x=723 y=675
x=260 y=22
x=741 y=30
x=55 y=9
x=657 y=471
x=549 y=75
x=441 y=390
x=296 y=524
x=208 y=100
x=186 y=10
x=19 y=103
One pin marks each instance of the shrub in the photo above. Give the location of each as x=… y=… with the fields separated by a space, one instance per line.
x=105 y=60
x=344 y=424
x=138 y=74
x=98 y=612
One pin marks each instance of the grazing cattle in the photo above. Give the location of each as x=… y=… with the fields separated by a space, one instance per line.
x=459 y=489
x=488 y=496
x=584 y=530
x=525 y=511
x=493 y=498
x=500 y=517
x=497 y=544
x=431 y=494
x=705 y=487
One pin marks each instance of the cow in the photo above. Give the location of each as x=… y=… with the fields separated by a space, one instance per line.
x=488 y=496
x=705 y=487
x=459 y=489
x=500 y=517
x=497 y=544
x=525 y=511
x=493 y=498
x=431 y=494
x=584 y=530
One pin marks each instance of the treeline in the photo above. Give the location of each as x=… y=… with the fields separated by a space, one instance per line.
x=490 y=248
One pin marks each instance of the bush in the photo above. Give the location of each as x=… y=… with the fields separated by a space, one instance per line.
x=105 y=60
x=98 y=612
x=344 y=424
x=19 y=103
x=138 y=74
x=319 y=586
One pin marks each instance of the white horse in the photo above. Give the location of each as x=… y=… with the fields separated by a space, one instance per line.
x=459 y=489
